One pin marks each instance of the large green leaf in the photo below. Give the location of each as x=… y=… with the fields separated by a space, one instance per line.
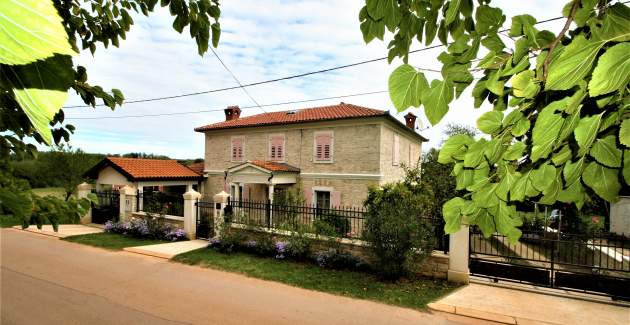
x=586 y=131
x=451 y=210
x=541 y=178
x=612 y=71
x=572 y=171
x=524 y=84
x=40 y=88
x=456 y=144
x=30 y=30
x=436 y=100
x=624 y=133
x=452 y=11
x=604 y=181
x=490 y=122
x=507 y=182
x=626 y=166
x=573 y=194
x=406 y=86
x=605 y=151
x=474 y=155
x=488 y=19
x=573 y=65
x=515 y=151
x=545 y=132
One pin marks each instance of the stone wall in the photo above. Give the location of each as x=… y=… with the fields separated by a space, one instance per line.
x=410 y=151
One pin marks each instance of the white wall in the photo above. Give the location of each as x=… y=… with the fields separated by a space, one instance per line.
x=109 y=176
x=620 y=216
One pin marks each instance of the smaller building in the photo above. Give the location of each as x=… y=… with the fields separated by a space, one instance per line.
x=113 y=173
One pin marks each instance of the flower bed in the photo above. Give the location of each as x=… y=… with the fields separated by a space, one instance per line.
x=148 y=228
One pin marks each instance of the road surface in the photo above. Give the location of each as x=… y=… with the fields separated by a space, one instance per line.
x=50 y=281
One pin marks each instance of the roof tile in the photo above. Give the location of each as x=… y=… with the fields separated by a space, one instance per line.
x=153 y=168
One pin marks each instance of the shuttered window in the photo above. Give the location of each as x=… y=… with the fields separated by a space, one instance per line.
x=237 y=149
x=324 y=146
x=276 y=148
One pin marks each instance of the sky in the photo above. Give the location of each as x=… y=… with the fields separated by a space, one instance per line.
x=260 y=40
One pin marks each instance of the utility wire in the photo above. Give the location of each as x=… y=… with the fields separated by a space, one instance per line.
x=237 y=81
x=221 y=109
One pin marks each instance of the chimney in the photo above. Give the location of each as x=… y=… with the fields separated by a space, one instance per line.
x=232 y=113
x=410 y=120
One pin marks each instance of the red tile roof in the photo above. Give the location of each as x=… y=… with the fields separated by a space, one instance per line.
x=323 y=113
x=197 y=167
x=274 y=166
x=139 y=169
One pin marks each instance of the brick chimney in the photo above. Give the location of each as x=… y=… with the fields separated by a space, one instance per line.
x=232 y=113
x=410 y=120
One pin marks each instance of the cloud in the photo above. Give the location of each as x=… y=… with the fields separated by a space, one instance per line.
x=260 y=40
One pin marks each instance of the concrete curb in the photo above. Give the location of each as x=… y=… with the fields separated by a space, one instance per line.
x=483 y=315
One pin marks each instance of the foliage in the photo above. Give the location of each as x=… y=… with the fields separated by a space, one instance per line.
x=51 y=209
x=559 y=129
x=109 y=240
x=149 y=227
x=337 y=259
x=331 y=224
x=299 y=245
x=399 y=236
x=414 y=292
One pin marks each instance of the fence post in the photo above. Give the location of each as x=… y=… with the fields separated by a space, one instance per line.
x=83 y=190
x=458 y=255
x=190 y=213
x=127 y=201
x=220 y=201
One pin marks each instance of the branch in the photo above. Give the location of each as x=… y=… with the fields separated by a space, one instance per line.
x=554 y=43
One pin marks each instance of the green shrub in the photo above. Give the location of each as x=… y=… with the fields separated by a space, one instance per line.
x=399 y=237
x=329 y=224
x=53 y=210
x=299 y=245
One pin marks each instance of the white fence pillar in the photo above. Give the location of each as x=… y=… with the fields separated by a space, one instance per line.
x=458 y=255
x=190 y=213
x=220 y=201
x=127 y=201
x=83 y=190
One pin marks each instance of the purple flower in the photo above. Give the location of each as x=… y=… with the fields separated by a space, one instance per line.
x=280 y=249
x=109 y=226
x=214 y=242
x=251 y=244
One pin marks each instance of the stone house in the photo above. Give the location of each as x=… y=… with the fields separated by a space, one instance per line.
x=331 y=154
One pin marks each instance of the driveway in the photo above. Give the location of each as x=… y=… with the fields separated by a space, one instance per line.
x=49 y=281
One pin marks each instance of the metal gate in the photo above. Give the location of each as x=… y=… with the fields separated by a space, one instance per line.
x=205 y=219
x=107 y=207
x=597 y=264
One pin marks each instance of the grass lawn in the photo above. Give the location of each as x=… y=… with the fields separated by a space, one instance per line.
x=111 y=241
x=54 y=191
x=412 y=293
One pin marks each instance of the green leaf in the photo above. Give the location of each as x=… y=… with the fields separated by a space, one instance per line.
x=562 y=156
x=507 y=182
x=521 y=127
x=605 y=151
x=616 y=24
x=586 y=131
x=464 y=179
x=604 y=181
x=494 y=84
x=456 y=144
x=523 y=188
x=406 y=86
x=452 y=11
x=573 y=194
x=626 y=166
x=494 y=150
x=490 y=122
x=436 y=100
x=573 y=65
x=524 y=84
x=541 y=178
x=485 y=197
x=451 y=210
x=515 y=151
x=545 y=132
x=488 y=19
x=612 y=71
x=31 y=30
x=624 y=133
x=474 y=155
x=493 y=43
x=572 y=171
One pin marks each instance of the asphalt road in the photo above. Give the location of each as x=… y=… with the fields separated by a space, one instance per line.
x=49 y=281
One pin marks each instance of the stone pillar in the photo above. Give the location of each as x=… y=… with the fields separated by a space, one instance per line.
x=458 y=256
x=83 y=190
x=140 y=203
x=190 y=213
x=127 y=202
x=220 y=201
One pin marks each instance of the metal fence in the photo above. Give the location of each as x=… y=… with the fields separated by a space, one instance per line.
x=341 y=221
x=161 y=203
x=107 y=206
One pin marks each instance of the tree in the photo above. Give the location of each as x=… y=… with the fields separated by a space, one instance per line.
x=559 y=128
x=67 y=166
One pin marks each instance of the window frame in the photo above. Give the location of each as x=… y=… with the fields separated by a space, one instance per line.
x=284 y=147
x=315 y=194
x=332 y=147
x=242 y=138
x=396 y=147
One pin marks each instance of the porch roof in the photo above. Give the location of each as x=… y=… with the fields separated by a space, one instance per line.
x=267 y=166
x=263 y=172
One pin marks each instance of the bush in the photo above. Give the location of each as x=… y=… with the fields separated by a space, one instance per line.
x=150 y=227
x=329 y=224
x=340 y=260
x=53 y=210
x=399 y=238
x=298 y=244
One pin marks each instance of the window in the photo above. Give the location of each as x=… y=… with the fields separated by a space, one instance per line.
x=322 y=199
x=276 y=147
x=237 y=153
x=396 y=150
x=323 y=148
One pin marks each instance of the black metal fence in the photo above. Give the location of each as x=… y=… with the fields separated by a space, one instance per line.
x=597 y=262
x=161 y=203
x=341 y=221
x=107 y=206
x=205 y=219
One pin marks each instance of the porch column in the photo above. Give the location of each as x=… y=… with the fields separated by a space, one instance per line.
x=83 y=190
x=220 y=201
x=237 y=192
x=127 y=200
x=140 y=198
x=190 y=213
x=270 y=206
x=189 y=187
x=458 y=256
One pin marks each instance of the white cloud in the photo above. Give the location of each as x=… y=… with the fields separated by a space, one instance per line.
x=260 y=40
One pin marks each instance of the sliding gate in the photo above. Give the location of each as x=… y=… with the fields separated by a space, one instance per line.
x=598 y=264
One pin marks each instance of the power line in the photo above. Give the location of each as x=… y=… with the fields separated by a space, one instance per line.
x=221 y=109
x=236 y=79
x=301 y=74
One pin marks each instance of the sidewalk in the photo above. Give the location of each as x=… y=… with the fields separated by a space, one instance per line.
x=64 y=230
x=168 y=250
x=513 y=306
